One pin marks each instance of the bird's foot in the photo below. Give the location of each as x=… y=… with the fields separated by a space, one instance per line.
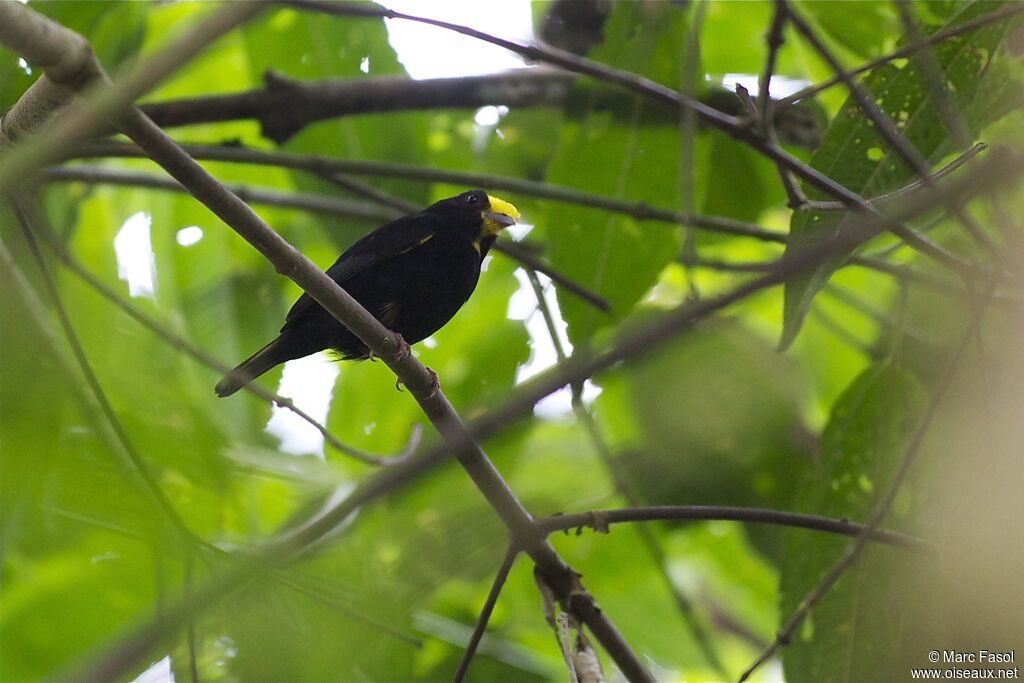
x=403 y=349
x=435 y=383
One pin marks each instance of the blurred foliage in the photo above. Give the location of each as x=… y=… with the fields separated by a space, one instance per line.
x=715 y=416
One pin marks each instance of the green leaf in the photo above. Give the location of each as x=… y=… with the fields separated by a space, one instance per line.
x=855 y=630
x=864 y=28
x=719 y=421
x=617 y=256
x=855 y=155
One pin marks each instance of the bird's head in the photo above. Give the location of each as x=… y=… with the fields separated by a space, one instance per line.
x=482 y=216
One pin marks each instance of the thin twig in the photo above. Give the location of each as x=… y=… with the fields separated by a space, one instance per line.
x=774 y=40
x=691 y=77
x=883 y=199
x=900 y=271
x=886 y=127
x=599 y=519
x=315 y=203
x=905 y=51
x=485 y=612
x=540 y=190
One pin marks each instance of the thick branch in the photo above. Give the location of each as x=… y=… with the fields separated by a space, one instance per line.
x=286 y=106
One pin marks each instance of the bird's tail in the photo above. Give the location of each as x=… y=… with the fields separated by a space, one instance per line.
x=251 y=368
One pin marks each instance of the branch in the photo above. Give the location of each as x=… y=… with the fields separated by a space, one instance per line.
x=886 y=127
x=286 y=105
x=315 y=203
x=600 y=519
x=485 y=613
x=305 y=202
x=421 y=384
x=326 y=165
x=731 y=125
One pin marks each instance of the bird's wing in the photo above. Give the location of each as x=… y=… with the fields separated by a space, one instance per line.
x=383 y=244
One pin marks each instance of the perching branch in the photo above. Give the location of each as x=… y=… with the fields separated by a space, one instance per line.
x=420 y=383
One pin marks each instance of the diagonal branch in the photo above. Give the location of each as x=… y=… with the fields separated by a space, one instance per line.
x=563 y=580
x=996 y=172
x=485 y=612
x=994 y=17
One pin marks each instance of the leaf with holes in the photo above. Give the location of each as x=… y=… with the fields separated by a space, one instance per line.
x=855 y=155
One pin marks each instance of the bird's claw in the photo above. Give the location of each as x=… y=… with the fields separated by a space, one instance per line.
x=435 y=383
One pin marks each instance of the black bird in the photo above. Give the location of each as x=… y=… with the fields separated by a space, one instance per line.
x=412 y=274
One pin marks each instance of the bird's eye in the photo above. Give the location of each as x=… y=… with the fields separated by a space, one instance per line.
x=474 y=199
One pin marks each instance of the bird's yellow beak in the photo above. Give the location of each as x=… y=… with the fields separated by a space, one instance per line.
x=501 y=215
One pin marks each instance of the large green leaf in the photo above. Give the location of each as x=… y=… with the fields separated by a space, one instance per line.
x=617 y=256
x=852 y=634
x=856 y=156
